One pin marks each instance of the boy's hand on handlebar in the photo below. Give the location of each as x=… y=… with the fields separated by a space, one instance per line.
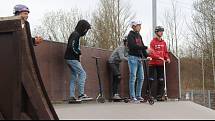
x=38 y=40
x=168 y=61
x=149 y=50
x=162 y=59
x=149 y=58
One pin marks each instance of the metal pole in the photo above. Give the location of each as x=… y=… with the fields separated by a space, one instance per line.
x=154 y=15
x=209 y=98
x=213 y=61
x=192 y=98
x=179 y=71
x=203 y=76
x=204 y=97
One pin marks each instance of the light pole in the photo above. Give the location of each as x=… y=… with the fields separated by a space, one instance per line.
x=154 y=15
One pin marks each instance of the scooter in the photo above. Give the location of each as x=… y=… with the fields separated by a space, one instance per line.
x=149 y=96
x=100 y=98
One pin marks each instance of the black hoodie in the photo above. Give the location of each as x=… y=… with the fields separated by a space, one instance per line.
x=136 y=45
x=73 y=50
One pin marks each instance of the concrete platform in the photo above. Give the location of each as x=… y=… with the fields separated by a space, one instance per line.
x=160 y=110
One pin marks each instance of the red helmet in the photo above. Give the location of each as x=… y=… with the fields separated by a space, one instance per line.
x=20 y=8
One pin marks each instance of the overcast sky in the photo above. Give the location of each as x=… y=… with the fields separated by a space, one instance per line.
x=142 y=8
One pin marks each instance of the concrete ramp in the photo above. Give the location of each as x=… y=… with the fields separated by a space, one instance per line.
x=160 y=110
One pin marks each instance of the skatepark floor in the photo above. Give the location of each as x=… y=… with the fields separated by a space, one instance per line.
x=121 y=110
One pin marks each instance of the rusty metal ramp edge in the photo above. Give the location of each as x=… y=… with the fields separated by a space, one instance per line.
x=23 y=95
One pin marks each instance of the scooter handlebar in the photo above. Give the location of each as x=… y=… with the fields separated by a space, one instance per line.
x=145 y=59
x=162 y=60
x=95 y=57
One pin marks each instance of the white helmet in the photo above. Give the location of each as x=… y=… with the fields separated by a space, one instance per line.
x=135 y=22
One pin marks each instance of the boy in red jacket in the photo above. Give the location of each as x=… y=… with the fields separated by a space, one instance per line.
x=156 y=65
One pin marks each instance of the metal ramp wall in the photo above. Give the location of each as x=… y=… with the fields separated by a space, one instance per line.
x=56 y=74
x=23 y=95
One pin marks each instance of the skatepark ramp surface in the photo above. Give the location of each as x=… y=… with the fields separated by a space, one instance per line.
x=160 y=110
x=23 y=95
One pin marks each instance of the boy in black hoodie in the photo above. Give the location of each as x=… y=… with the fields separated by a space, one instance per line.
x=72 y=56
x=137 y=51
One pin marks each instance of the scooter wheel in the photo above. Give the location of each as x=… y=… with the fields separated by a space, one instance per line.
x=151 y=102
x=101 y=100
x=144 y=101
x=166 y=98
x=126 y=100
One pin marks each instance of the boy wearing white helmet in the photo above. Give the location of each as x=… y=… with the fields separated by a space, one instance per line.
x=137 y=51
x=23 y=11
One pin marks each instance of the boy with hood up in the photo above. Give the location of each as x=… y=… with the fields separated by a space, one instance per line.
x=72 y=55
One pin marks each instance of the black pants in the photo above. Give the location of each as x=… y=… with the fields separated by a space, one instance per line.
x=156 y=79
x=116 y=78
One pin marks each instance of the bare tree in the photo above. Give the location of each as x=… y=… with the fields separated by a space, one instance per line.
x=201 y=45
x=203 y=33
x=110 y=23
x=58 y=25
x=206 y=22
x=173 y=26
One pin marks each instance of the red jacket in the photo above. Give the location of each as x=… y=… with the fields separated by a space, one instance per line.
x=159 y=50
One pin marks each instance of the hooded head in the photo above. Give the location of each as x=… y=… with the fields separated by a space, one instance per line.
x=82 y=27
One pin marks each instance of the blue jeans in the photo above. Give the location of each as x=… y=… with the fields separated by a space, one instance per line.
x=79 y=75
x=136 y=73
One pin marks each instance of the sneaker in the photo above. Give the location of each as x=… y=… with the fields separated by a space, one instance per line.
x=116 y=97
x=134 y=100
x=140 y=99
x=84 y=97
x=74 y=100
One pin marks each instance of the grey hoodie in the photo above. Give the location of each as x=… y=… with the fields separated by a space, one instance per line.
x=119 y=54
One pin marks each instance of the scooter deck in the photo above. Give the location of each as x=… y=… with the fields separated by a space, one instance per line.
x=74 y=102
x=78 y=102
x=87 y=100
x=117 y=100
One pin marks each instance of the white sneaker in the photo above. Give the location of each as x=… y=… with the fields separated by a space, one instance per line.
x=84 y=97
x=116 y=97
x=134 y=100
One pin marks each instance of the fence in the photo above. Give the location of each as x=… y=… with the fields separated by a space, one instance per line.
x=205 y=98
